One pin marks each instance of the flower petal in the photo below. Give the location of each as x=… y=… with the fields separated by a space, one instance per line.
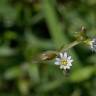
x=68 y=67
x=57 y=63
x=65 y=67
x=65 y=55
x=71 y=61
x=69 y=57
x=57 y=59
x=61 y=55
x=61 y=67
x=69 y=64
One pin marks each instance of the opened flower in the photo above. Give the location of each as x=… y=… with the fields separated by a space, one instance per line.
x=64 y=61
x=92 y=44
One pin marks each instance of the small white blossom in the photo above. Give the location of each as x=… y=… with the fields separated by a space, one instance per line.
x=92 y=44
x=64 y=61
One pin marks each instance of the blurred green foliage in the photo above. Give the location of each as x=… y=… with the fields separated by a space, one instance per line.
x=30 y=27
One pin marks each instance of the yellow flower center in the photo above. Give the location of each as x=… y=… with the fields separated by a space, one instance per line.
x=64 y=62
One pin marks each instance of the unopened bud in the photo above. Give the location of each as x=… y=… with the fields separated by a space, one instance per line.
x=48 y=55
x=83 y=29
x=81 y=36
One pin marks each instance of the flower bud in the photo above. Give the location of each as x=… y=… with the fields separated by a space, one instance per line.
x=48 y=55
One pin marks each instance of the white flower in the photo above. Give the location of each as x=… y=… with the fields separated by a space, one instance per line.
x=64 y=61
x=92 y=44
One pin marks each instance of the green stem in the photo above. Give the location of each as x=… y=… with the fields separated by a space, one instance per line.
x=70 y=46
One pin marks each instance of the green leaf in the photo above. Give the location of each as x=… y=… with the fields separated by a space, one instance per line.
x=34 y=73
x=12 y=73
x=24 y=86
x=49 y=86
x=82 y=74
x=6 y=51
x=53 y=23
x=8 y=12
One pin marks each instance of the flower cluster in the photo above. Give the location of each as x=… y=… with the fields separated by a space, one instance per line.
x=62 y=59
